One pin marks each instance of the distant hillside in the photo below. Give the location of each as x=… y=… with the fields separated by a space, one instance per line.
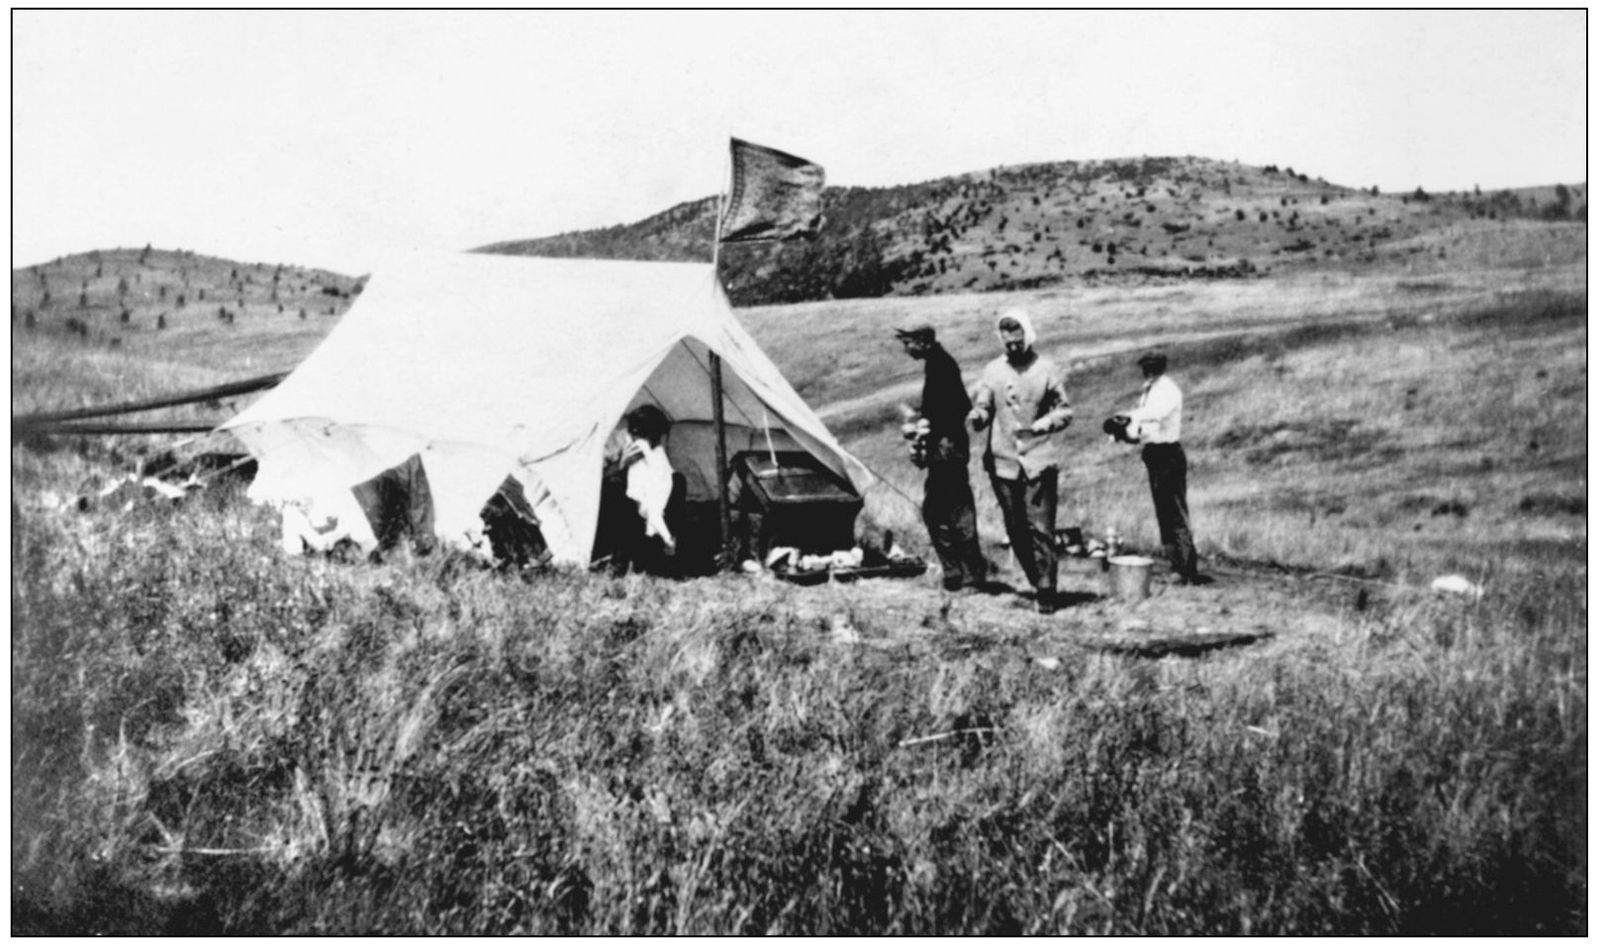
x=1037 y=225
x=152 y=299
x=1030 y=226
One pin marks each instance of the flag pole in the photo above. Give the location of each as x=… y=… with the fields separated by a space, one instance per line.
x=717 y=366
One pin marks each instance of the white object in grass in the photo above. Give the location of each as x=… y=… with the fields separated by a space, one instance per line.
x=1453 y=583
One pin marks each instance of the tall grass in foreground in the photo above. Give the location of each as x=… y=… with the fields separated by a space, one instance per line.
x=209 y=738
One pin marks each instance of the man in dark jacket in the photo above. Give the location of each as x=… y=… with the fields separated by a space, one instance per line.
x=940 y=446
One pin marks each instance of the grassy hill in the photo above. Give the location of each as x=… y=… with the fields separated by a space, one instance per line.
x=1068 y=223
x=209 y=737
x=118 y=325
x=165 y=303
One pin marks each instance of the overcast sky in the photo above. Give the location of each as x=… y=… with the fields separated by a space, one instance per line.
x=332 y=139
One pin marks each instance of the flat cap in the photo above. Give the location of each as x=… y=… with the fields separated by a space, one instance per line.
x=1154 y=359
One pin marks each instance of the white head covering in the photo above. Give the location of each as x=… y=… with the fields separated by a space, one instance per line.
x=1020 y=316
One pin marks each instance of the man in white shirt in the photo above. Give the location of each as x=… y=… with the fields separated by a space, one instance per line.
x=1155 y=423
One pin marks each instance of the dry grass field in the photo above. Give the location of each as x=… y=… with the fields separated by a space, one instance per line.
x=1364 y=406
x=210 y=738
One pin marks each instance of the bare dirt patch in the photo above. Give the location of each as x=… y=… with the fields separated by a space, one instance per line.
x=916 y=619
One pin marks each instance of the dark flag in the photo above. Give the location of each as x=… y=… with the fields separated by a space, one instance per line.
x=773 y=197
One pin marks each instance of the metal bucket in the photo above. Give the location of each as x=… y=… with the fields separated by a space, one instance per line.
x=1131 y=578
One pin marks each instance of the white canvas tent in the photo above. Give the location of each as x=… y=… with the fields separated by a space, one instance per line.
x=488 y=366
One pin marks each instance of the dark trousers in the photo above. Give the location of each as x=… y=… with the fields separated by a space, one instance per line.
x=621 y=531
x=1030 y=512
x=1166 y=471
x=949 y=516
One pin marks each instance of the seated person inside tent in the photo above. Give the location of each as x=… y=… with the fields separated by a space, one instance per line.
x=641 y=495
x=513 y=528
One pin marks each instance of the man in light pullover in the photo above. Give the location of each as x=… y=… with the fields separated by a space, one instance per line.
x=1155 y=422
x=1021 y=398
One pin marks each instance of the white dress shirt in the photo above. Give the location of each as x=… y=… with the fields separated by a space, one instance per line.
x=1156 y=420
x=648 y=483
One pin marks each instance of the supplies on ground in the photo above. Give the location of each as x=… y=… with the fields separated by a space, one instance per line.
x=859 y=562
x=1073 y=542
